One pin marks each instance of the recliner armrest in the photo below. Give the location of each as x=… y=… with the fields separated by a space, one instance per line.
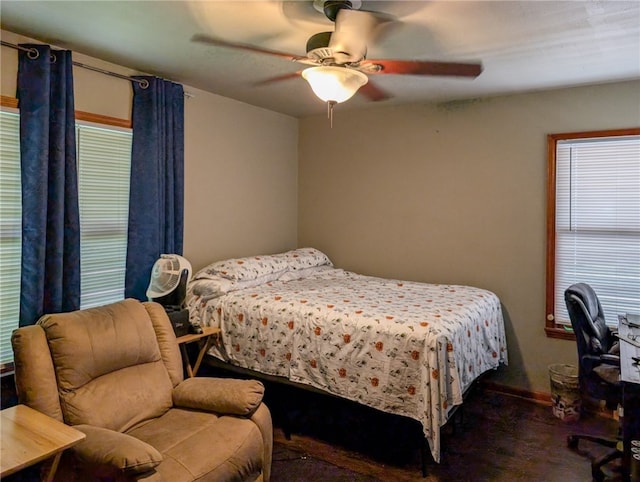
x=119 y=450
x=219 y=395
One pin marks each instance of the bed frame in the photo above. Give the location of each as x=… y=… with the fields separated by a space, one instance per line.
x=456 y=417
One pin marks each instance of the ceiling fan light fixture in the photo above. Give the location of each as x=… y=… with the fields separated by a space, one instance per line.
x=334 y=84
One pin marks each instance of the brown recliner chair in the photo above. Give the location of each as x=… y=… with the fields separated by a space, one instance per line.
x=116 y=374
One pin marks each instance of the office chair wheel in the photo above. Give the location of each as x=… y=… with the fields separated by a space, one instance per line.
x=572 y=441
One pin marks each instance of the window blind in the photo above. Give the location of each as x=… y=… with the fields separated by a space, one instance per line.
x=10 y=230
x=598 y=222
x=104 y=163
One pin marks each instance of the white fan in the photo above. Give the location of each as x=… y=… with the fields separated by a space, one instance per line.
x=169 y=277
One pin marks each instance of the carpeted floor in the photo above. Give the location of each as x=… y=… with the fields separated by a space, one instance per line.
x=498 y=438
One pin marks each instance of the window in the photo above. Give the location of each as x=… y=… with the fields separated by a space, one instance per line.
x=104 y=159
x=593 y=222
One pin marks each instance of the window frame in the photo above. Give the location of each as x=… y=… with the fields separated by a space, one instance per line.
x=553 y=329
x=97 y=119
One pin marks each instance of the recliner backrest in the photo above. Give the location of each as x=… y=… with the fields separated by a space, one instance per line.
x=109 y=365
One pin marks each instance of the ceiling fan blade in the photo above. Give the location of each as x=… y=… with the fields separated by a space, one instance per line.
x=418 y=67
x=373 y=92
x=354 y=30
x=278 y=78
x=208 y=40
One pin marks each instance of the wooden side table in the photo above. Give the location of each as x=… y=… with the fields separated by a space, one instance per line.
x=205 y=339
x=29 y=437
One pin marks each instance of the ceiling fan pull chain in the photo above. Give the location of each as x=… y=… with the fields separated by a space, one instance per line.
x=330 y=105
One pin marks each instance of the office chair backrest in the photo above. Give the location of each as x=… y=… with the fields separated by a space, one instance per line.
x=587 y=319
x=596 y=346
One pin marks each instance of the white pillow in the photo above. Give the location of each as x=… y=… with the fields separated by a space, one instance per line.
x=254 y=267
x=241 y=269
x=303 y=258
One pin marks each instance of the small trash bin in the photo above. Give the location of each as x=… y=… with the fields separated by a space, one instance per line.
x=565 y=392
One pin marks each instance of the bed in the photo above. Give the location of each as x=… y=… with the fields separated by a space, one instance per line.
x=402 y=347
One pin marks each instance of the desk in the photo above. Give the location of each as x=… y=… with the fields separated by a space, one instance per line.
x=29 y=437
x=205 y=339
x=629 y=329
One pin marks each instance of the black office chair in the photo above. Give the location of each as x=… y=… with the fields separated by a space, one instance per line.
x=598 y=364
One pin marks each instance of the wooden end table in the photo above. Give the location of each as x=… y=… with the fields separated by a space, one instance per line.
x=29 y=437
x=205 y=339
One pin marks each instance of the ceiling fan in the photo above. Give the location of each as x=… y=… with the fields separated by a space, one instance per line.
x=338 y=59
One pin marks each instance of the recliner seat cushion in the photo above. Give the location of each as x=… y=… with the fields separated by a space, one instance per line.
x=108 y=364
x=203 y=446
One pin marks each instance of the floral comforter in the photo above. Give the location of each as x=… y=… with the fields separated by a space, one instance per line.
x=402 y=347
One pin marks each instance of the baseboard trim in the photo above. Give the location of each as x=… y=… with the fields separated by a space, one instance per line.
x=540 y=397
x=588 y=405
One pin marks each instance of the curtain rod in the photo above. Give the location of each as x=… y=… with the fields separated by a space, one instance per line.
x=33 y=54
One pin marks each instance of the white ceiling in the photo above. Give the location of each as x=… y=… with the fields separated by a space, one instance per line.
x=523 y=45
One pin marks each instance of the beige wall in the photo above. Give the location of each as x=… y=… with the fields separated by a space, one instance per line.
x=240 y=162
x=241 y=171
x=452 y=193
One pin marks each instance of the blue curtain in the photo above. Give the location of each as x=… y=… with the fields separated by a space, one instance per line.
x=50 y=280
x=156 y=199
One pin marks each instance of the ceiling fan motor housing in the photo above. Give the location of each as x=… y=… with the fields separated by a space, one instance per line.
x=318 y=46
x=332 y=7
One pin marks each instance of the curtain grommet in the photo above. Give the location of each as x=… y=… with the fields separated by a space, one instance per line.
x=33 y=53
